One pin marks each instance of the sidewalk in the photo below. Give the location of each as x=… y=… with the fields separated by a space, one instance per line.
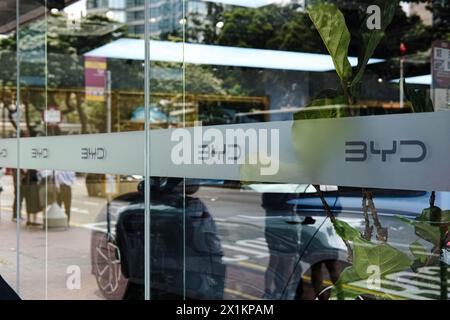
x=45 y=257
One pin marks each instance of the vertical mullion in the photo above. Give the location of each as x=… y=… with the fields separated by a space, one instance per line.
x=183 y=72
x=18 y=119
x=46 y=134
x=147 y=248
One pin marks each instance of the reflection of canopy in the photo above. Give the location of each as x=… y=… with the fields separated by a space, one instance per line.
x=133 y=49
x=426 y=80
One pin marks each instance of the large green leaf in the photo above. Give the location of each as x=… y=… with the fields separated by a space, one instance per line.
x=366 y=254
x=386 y=257
x=342 y=289
x=424 y=230
x=371 y=38
x=317 y=108
x=330 y=23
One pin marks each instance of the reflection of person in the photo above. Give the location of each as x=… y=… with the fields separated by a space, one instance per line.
x=282 y=242
x=64 y=181
x=22 y=179
x=31 y=194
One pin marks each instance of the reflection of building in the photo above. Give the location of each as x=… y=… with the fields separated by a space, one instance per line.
x=165 y=15
x=114 y=8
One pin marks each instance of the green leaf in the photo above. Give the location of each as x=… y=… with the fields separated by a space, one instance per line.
x=419 y=99
x=366 y=255
x=419 y=252
x=327 y=98
x=345 y=231
x=341 y=289
x=330 y=23
x=423 y=228
x=372 y=38
x=387 y=258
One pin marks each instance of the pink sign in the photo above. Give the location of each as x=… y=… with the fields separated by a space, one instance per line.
x=95 y=78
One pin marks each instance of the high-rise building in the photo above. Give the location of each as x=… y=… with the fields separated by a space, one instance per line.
x=166 y=16
x=114 y=9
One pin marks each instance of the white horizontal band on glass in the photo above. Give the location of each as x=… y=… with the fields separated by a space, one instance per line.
x=394 y=151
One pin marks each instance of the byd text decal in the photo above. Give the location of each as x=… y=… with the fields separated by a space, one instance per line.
x=411 y=151
x=234 y=146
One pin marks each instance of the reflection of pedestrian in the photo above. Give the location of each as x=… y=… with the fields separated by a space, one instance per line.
x=31 y=194
x=282 y=242
x=16 y=191
x=64 y=181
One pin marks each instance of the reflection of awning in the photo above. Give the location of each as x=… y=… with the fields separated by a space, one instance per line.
x=425 y=80
x=133 y=49
x=29 y=10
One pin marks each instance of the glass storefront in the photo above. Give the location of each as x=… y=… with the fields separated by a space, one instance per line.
x=225 y=149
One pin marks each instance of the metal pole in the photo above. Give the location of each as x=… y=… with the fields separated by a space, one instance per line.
x=18 y=118
x=402 y=92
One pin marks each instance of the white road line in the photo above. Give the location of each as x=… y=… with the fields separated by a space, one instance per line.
x=78 y=210
x=253 y=244
x=257 y=254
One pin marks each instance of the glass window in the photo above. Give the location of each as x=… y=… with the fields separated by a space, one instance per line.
x=225 y=149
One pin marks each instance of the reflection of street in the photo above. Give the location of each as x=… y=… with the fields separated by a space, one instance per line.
x=240 y=221
x=65 y=248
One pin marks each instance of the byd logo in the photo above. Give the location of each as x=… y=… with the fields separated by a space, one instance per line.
x=411 y=151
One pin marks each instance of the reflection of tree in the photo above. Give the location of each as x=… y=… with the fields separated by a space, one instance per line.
x=60 y=72
x=332 y=27
x=287 y=28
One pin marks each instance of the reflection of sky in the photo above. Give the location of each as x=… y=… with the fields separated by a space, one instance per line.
x=76 y=10
x=425 y=80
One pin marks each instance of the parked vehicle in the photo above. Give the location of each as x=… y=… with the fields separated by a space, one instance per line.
x=257 y=241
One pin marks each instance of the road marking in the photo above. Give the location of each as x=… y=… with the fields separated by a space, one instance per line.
x=253 y=244
x=98 y=226
x=252 y=266
x=241 y=294
x=257 y=254
x=78 y=210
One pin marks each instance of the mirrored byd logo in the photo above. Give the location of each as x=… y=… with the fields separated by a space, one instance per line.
x=211 y=146
x=409 y=151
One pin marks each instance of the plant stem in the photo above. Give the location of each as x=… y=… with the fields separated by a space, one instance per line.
x=382 y=233
x=368 y=228
x=432 y=198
